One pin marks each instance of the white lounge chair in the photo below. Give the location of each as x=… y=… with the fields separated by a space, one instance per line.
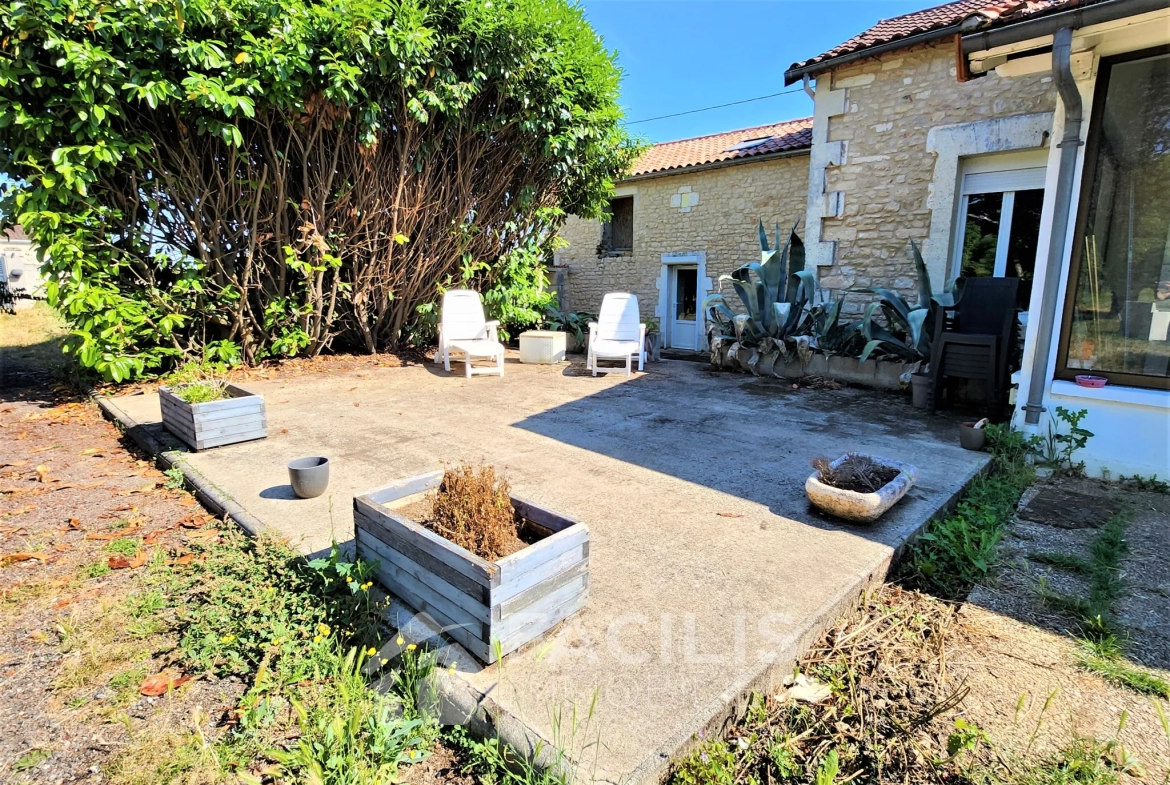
x=618 y=333
x=463 y=330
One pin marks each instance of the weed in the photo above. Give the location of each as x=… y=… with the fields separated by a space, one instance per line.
x=1138 y=483
x=175 y=479
x=960 y=550
x=202 y=392
x=97 y=569
x=1062 y=561
x=1081 y=763
x=1104 y=658
x=711 y=763
x=827 y=771
x=1064 y=437
x=124 y=545
x=31 y=759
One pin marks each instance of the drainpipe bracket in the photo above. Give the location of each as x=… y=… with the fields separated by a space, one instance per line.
x=1033 y=407
x=1070 y=143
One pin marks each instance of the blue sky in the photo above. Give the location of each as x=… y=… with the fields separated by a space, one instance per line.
x=687 y=54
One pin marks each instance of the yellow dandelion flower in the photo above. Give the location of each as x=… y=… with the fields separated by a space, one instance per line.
x=370 y=652
x=316 y=639
x=323 y=629
x=227 y=639
x=349 y=579
x=400 y=640
x=385 y=662
x=411 y=647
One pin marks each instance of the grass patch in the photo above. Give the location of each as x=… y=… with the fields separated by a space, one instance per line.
x=1100 y=650
x=961 y=550
x=1105 y=658
x=126 y=546
x=30 y=339
x=1062 y=561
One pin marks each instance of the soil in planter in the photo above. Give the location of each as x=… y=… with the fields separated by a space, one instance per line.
x=856 y=473
x=473 y=509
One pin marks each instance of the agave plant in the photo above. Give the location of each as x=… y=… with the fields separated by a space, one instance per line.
x=906 y=332
x=776 y=293
x=831 y=335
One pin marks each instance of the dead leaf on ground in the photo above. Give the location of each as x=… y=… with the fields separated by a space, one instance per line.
x=184 y=560
x=729 y=515
x=284 y=430
x=139 y=559
x=204 y=534
x=188 y=502
x=132 y=527
x=118 y=563
x=10 y=558
x=42 y=473
x=20 y=510
x=73 y=525
x=355 y=403
x=22 y=435
x=154 y=686
x=13 y=463
x=47 y=449
x=93 y=451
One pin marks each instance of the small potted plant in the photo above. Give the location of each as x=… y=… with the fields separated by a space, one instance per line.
x=211 y=413
x=495 y=571
x=653 y=341
x=858 y=487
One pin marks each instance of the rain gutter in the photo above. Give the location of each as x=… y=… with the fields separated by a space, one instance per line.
x=1070 y=97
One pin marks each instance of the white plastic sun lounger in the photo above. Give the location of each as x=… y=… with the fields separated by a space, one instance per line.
x=618 y=333
x=463 y=330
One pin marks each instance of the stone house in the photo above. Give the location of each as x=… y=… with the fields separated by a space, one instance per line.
x=1025 y=138
x=686 y=215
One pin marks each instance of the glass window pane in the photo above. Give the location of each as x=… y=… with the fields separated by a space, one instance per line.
x=1121 y=310
x=685 y=294
x=1025 y=235
x=980 y=234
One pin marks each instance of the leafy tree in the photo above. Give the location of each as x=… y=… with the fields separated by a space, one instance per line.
x=272 y=178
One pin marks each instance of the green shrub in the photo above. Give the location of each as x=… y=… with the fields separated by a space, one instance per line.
x=237 y=180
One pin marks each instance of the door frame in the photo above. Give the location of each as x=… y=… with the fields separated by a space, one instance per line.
x=662 y=311
x=672 y=302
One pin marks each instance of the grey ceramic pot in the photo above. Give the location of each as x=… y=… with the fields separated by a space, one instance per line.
x=309 y=477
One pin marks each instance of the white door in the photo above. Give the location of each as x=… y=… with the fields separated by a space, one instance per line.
x=684 y=291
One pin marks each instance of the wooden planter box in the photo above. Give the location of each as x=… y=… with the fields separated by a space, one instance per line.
x=491 y=608
x=239 y=418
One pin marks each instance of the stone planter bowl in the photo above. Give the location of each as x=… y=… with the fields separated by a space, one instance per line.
x=861 y=507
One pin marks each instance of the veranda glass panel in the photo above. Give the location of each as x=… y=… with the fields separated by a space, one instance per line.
x=1121 y=311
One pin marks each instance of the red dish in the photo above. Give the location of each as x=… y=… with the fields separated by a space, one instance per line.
x=1084 y=380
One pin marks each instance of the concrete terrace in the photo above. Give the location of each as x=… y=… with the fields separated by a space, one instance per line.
x=709 y=572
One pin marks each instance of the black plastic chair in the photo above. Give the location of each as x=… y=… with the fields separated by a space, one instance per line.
x=973 y=340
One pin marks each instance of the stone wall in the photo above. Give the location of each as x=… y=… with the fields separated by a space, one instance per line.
x=883 y=174
x=720 y=225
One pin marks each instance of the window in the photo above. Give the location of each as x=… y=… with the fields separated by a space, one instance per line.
x=748 y=144
x=1117 y=308
x=617 y=233
x=999 y=224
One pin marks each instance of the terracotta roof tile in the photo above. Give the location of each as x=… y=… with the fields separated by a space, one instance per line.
x=932 y=19
x=727 y=146
x=15 y=233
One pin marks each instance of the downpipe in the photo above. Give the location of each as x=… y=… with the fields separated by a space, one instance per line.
x=1070 y=97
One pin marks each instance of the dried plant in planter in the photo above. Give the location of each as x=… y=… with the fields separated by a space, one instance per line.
x=473 y=509
x=856 y=473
